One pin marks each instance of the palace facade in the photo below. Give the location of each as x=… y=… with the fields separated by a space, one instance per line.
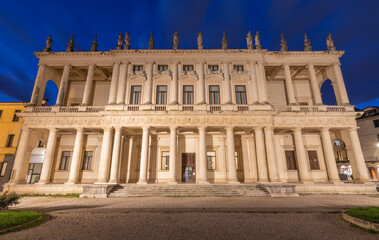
x=186 y=116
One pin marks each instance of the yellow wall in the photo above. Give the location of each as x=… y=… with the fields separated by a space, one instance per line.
x=7 y=126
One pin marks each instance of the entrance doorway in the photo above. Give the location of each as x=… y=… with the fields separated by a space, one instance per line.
x=188 y=167
x=34 y=172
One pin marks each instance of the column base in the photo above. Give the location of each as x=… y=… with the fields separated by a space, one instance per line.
x=174 y=103
x=203 y=183
x=142 y=183
x=172 y=183
x=113 y=182
x=42 y=183
x=234 y=182
x=101 y=183
x=263 y=181
x=69 y=183
x=201 y=102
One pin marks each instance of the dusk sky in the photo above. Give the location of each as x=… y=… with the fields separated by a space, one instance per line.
x=24 y=26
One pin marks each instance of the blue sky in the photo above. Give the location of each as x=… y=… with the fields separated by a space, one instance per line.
x=24 y=26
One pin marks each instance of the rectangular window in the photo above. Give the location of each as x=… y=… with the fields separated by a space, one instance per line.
x=87 y=160
x=3 y=169
x=165 y=160
x=236 y=159
x=238 y=68
x=187 y=68
x=135 y=95
x=162 y=68
x=65 y=159
x=161 y=94
x=241 y=94
x=10 y=140
x=187 y=94
x=137 y=68
x=1 y=112
x=213 y=68
x=376 y=123
x=214 y=94
x=377 y=135
x=211 y=160
x=291 y=162
x=313 y=160
x=15 y=117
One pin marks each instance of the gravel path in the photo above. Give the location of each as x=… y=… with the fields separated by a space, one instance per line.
x=306 y=217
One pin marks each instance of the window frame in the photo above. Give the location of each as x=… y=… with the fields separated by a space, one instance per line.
x=137 y=68
x=191 y=96
x=15 y=117
x=162 y=68
x=291 y=165
x=213 y=67
x=161 y=96
x=188 y=68
x=314 y=165
x=65 y=166
x=165 y=159
x=376 y=123
x=238 y=68
x=213 y=158
x=1 y=113
x=10 y=140
x=241 y=97
x=3 y=169
x=214 y=95
x=133 y=97
x=87 y=161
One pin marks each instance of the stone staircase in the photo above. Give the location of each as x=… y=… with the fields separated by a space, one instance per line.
x=189 y=190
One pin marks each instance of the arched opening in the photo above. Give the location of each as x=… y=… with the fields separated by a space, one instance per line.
x=327 y=93
x=50 y=94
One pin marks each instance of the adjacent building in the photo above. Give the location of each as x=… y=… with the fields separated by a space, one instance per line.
x=201 y=116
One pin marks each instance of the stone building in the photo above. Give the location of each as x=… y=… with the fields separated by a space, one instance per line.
x=187 y=116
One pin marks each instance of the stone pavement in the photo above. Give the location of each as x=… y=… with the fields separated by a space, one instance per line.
x=306 y=217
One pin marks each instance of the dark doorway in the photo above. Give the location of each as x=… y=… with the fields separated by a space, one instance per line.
x=188 y=167
x=6 y=169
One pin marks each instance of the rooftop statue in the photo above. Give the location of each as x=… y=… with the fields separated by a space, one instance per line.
x=330 y=43
x=94 y=44
x=151 y=41
x=49 y=44
x=224 y=42
x=200 y=45
x=120 y=41
x=176 y=41
x=127 y=41
x=307 y=43
x=283 y=44
x=249 y=40
x=70 y=45
x=257 y=41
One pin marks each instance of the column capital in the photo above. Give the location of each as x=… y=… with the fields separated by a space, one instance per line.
x=53 y=129
x=260 y=61
x=353 y=129
x=268 y=128
x=201 y=62
x=91 y=64
x=251 y=62
x=337 y=63
x=173 y=128
x=226 y=62
x=310 y=64
x=258 y=128
x=202 y=128
x=125 y=62
x=324 y=129
x=26 y=129
x=79 y=129
x=118 y=128
x=149 y=62
x=41 y=65
x=175 y=62
x=145 y=128
x=68 y=65
x=116 y=63
x=107 y=129
x=296 y=129
x=229 y=128
x=285 y=64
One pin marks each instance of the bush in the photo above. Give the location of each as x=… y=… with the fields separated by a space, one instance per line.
x=9 y=200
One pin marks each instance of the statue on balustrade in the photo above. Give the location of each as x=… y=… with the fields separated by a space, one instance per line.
x=127 y=41
x=330 y=43
x=176 y=41
x=94 y=44
x=200 y=45
x=151 y=41
x=249 y=40
x=283 y=44
x=224 y=42
x=49 y=44
x=120 y=42
x=258 y=41
x=307 y=43
x=70 y=45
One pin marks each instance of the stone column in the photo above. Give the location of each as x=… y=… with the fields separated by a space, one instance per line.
x=201 y=83
x=270 y=150
x=262 y=84
x=105 y=156
x=227 y=84
x=63 y=85
x=253 y=159
x=358 y=157
x=301 y=156
x=329 y=155
x=114 y=83
x=254 y=83
x=49 y=157
x=202 y=169
x=144 y=155
x=246 y=159
x=221 y=159
x=121 y=89
x=37 y=84
x=314 y=85
x=88 y=86
x=261 y=155
x=340 y=84
x=76 y=157
x=174 y=83
x=173 y=154
x=147 y=95
x=232 y=171
x=115 y=156
x=19 y=163
x=289 y=85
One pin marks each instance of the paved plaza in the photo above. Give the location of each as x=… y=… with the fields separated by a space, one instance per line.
x=305 y=217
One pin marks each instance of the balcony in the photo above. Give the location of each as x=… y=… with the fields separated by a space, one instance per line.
x=189 y=108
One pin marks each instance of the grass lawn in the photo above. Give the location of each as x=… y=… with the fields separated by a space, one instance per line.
x=370 y=214
x=9 y=220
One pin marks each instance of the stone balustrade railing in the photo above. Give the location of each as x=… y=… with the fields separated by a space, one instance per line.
x=188 y=108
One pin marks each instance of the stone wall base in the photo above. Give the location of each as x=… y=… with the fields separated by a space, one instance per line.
x=43 y=188
x=337 y=188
